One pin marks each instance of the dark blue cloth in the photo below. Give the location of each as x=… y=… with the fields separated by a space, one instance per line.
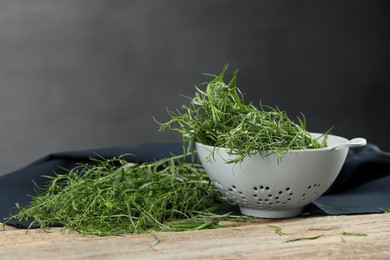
x=363 y=185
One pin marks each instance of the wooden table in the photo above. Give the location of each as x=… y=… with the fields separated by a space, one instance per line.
x=339 y=237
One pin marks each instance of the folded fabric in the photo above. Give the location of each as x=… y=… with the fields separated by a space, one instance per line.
x=361 y=187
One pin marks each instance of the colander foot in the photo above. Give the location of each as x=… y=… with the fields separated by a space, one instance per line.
x=271 y=213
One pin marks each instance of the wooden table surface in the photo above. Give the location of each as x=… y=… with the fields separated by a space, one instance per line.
x=339 y=237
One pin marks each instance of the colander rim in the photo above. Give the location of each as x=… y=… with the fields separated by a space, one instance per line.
x=316 y=135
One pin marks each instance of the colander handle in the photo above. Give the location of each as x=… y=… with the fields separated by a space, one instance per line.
x=356 y=142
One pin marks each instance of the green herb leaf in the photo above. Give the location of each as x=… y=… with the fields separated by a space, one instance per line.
x=303 y=238
x=278 y=230
x=354 y=234
x=329 y=228
x=155 y=240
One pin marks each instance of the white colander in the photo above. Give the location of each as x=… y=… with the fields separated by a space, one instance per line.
x=266 y=188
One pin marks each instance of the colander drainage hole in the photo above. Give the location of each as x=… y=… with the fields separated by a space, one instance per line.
x=266 y=199
x=315 y=185
x=218 y=185
x=236 y=195
x=264 y=188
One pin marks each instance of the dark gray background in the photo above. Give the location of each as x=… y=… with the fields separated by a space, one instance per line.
x=88 y=74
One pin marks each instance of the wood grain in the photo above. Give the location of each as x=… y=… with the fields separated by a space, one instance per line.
x=253 y=240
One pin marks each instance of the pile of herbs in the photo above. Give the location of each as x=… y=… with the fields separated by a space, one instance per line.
x=218 y=116
x=113 y=196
